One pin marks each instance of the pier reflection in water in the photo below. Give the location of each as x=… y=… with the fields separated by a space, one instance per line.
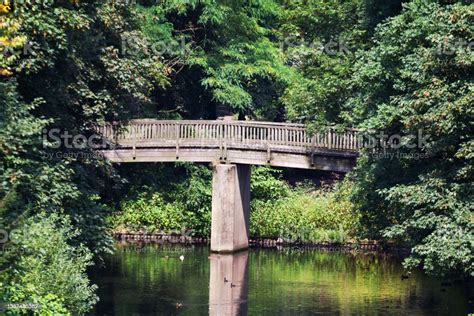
x=228 y=284
x=152 y=279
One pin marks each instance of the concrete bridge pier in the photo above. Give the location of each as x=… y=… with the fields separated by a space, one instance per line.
x=230 y=207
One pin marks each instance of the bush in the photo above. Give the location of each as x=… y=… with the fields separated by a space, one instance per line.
x=266 y=184
x=306 y=215
x=277 y=210
x=194 y=195
x=48 y=271
x=148 y=211
x=182 y=204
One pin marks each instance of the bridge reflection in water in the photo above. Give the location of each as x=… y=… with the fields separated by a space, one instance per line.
x=228 y=284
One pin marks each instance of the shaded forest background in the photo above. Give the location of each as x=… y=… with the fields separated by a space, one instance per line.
x=396 y=66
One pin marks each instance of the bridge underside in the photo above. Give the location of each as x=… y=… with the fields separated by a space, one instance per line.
x=231 y=180
x=327 y=160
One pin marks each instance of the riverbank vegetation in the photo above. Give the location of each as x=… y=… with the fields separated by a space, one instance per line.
x=303 y=213
x=404 y=68
x=297 y=214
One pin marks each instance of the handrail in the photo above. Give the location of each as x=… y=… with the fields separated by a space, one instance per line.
x=229 y=134
x=144 y=121
x=222 y=122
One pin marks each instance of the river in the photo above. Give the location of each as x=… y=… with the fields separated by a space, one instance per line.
x=152 y=279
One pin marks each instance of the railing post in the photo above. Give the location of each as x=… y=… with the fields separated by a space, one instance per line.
x=134 y=141
x=219 y=137
x=177 y=139
x=224 y=139
x=313 y=148
x=269 y=153
x=329 y=136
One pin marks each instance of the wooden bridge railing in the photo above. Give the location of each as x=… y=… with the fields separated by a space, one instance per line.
x=229 y=134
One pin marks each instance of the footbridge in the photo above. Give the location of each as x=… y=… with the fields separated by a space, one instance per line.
x=232 y=147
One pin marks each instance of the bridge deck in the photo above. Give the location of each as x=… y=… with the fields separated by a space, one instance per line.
x=244 y=142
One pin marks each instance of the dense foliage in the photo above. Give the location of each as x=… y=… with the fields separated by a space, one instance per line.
x=156 y=204
x=50 y=272
x=224 y=54
x=418 y=78
x=301 y=214
x=277 y=209
x=61 y=70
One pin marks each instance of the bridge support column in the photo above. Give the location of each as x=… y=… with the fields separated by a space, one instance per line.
x=230 y=207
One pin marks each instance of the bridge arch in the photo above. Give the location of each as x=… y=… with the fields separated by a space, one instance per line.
x=238 y=142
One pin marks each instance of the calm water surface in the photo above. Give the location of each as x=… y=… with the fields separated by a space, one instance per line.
x=153 y=280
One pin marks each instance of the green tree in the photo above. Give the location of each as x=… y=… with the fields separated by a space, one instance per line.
x=320 y=39
x=419 y=78
x=73 y=75
x=229 y=48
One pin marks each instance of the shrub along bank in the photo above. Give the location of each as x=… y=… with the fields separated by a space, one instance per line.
x=278 y=210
